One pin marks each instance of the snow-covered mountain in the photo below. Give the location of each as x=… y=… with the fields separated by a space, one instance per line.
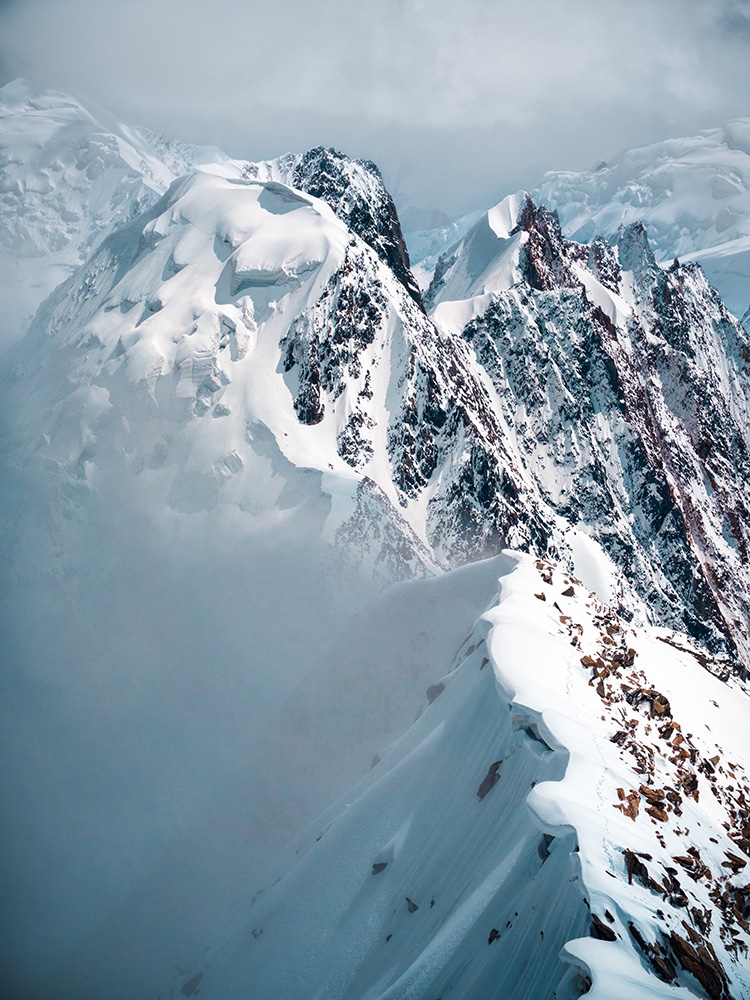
x=242 y=376
x=567 y=816
x=692 y=195
x=563 y=385
x=70 y=173
x=355 y=191
x=626 y=388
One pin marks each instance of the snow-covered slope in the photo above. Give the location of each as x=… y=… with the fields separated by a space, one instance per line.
x=626 y=391
x=427 y=245
x=692 y=195
x=239 y=345
x=70 y=173
x=568 y=815
x=485 y=259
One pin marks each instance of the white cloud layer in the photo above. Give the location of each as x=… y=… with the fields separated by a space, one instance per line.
x=458 y=102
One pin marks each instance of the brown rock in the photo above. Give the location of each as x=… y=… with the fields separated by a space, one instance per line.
x=600 y=930
x=629 y=804
x=637 y=868
x=660 y=705
x=652 y=795
x=733 y=862
x=701 y=962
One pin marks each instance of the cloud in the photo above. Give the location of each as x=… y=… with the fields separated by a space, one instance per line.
x=520 y=86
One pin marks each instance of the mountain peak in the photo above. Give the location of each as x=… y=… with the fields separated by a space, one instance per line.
x=545 y=259
x=355 y=191
x=692 y=193
x=635 y=250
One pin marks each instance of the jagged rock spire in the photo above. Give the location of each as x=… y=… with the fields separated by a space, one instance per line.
x=355 y=191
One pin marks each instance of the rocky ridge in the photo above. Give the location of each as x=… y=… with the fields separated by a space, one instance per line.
x=692 y=193
x=626 y=386
x=355 y=191
x=557 y=384
x=623 y=826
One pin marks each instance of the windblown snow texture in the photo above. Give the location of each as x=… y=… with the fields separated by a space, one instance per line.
x=606 y=858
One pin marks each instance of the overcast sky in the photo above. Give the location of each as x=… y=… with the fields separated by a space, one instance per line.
x=459 y=102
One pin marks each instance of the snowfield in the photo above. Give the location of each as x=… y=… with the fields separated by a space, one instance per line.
x=692 y=194
x=568 y=814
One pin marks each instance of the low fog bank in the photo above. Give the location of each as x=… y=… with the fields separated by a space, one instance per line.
x=136 y=693
x=181 y=696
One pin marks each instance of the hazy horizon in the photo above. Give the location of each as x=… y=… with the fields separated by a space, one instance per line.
x=458 y=107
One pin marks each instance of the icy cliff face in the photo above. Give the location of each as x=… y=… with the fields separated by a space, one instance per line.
x=626 y=388
x=567 y=816
x=692 y=194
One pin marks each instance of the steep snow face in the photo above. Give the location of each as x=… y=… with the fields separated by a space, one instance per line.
x=567 y=816
x=692 y=194
x=626 y=388
x=485 y=259
x=427 y=245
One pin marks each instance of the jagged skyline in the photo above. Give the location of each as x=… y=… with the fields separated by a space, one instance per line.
x=457 y=105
